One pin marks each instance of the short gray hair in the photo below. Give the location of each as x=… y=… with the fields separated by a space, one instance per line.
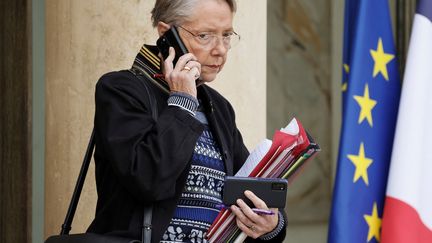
x=177 y=11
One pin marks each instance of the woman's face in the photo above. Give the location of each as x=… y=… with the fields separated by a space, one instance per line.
x=211 y=18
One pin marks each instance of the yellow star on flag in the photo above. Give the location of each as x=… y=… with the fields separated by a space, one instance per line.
x=381 y=59
x=345 y=83
x=344 y=86
x=361 y=162
x=374 y=223
x=346 y=67
x=366 y=105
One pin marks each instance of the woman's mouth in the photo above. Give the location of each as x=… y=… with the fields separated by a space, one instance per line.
x=215 y=67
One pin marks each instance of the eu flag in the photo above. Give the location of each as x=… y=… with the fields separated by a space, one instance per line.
x=371 y=90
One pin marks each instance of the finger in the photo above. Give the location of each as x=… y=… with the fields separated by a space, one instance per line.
x=195 y=73
x=242 y=225
x=241 y=216
x=194 y=68
x=250 y=230
x=168 y=62
x=258 y=202
x=183 y=60
x=247 y=211
x=171 y=54
x=194 y=64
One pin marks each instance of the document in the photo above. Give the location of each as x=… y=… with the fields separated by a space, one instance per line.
x=255 y=157
x=282 y=157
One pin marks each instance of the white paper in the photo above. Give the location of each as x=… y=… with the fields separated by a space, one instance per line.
x=254 y=158
x=241 y=238
x=292 y=128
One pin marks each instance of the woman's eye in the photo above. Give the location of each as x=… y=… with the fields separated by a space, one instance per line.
x=203 y=36
x=227 y=35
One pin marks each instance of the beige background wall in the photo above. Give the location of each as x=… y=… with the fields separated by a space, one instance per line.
x=86 y=38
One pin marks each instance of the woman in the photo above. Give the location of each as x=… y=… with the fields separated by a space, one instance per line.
x=176 y=164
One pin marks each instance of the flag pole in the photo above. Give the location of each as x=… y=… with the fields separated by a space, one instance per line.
x=400 y=34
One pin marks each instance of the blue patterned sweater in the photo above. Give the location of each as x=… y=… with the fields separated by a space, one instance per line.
x=197 y=207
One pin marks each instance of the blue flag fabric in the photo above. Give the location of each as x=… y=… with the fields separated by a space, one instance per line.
x=371 y=97
x=351 y=16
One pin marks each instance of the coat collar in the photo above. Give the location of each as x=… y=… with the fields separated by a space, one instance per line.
x=148 y=63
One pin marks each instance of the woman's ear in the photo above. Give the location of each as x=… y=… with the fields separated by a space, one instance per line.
x=162 y=27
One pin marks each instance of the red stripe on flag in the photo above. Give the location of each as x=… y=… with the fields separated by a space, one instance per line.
x=402 y=223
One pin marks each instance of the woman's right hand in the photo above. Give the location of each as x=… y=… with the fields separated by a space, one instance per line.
x=181 y=78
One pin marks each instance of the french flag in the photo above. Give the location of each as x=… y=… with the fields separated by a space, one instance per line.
x=408 y=205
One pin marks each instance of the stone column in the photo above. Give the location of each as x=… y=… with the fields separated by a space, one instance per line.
x=15 y=121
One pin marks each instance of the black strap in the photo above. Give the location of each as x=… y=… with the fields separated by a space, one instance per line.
x=148 y=210
x=147 y=225
x=66 y=226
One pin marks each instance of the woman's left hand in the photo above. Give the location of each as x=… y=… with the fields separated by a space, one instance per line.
x=253 y=224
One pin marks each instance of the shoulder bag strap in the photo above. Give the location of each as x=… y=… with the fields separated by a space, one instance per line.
x=66 y=226
x=147 y=218
x=147 y=224
x=146 y=229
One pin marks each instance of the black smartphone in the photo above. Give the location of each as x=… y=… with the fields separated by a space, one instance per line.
x=272 y=191
x=171 y=38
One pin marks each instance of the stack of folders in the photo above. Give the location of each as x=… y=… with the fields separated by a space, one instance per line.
x=283 y=157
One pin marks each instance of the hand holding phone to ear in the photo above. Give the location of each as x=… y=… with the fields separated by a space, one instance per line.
x=182 y=76
x=181 y=68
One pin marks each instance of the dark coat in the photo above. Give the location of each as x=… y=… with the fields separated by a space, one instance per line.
x=140 y=161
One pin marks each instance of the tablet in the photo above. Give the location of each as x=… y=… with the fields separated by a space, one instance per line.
x=272 y=191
